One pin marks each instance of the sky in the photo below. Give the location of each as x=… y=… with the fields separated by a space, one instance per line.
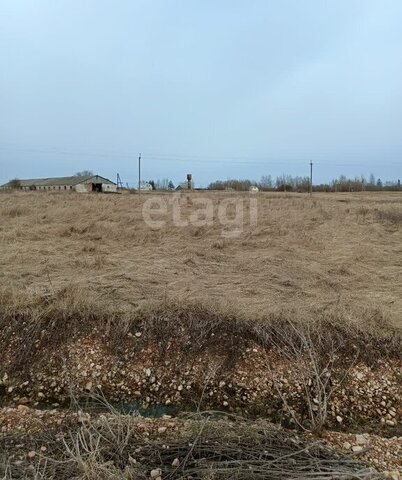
x=217 y=88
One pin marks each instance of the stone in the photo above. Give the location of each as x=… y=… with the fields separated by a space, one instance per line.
x=357 y=448
x=361 y=440
x=23 y=409
x=162 y=429
x=392 y=475
x=339 y=419
x=347 y=446
x=176 y=462
x=31 y=454
x=157 y=472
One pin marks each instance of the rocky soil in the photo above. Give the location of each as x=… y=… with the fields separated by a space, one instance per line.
x=250 y=380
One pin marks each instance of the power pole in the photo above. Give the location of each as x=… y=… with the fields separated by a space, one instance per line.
x=311 y=178
x=119 y=182
x=139 y=174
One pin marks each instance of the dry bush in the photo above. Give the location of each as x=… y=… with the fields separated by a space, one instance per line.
x=388 y=216
x=363 y=211
x=393 y=216
x=17 y=211
x=321 y=366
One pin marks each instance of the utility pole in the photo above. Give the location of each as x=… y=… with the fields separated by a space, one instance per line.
x=311 y=178
x=119 y=183
x=139 y=174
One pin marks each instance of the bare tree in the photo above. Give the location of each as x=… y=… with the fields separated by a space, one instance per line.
x=84 y=173
x=14 y=183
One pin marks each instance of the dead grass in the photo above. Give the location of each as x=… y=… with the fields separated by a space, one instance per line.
x=306 y=255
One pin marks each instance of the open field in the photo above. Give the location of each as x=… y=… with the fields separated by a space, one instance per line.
x=296 y=320
x=335 y=251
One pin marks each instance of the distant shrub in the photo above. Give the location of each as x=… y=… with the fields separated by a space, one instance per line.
x=14 y=212
x=393 y=216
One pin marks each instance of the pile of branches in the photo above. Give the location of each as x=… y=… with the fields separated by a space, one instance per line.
x=207 y=446
x=240 y=449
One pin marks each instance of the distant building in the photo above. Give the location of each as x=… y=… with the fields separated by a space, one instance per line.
x=145 y=186
x=188 y=185
x=82 y=184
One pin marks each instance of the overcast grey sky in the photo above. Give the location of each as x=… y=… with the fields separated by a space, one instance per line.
x=219 y=88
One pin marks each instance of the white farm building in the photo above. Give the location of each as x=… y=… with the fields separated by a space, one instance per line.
x=82 y=184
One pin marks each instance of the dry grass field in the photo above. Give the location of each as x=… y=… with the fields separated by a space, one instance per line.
x=338 y=253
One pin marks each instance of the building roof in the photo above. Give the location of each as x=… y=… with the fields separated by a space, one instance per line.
x=74 y=180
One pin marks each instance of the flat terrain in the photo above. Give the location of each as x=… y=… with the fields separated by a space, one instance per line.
x=338 y=253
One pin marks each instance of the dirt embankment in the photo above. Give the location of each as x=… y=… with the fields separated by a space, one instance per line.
x=305 y=374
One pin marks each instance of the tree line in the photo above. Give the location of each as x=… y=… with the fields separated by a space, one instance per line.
x=282 y=183
x=291 y=183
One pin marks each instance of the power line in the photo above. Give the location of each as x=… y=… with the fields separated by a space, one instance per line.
x=203 y=159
